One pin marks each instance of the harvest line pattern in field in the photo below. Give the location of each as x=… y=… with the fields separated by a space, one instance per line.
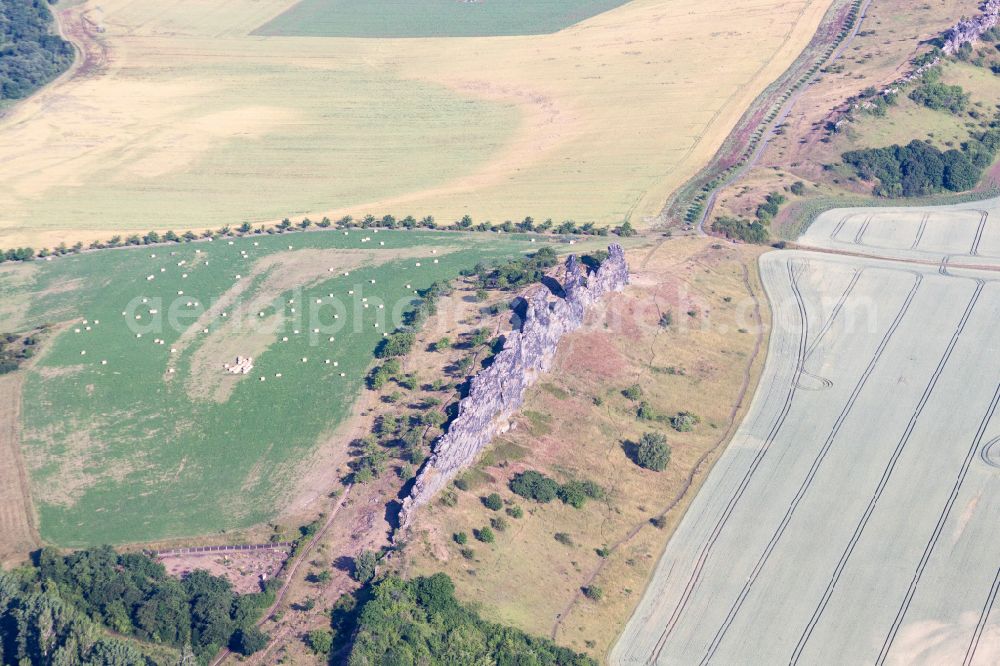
x=855 y=518
x=215 y=125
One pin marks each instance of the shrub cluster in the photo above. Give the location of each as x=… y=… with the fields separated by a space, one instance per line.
x=772 y=203
x=16 y=349
x=540 y=488
x=918 y=168
x=939 y=96
x=736 y=228
x=684 y=421
x=515 y=273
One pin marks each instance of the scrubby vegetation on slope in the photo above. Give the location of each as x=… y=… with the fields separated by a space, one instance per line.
x=920 y=168
x=15 y=349
x=30 y=55
x=420 y=622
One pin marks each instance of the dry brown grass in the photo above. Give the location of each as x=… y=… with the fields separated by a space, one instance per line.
x=242 y=569
x=698 y=364
x=17 y=520
x=890 y=35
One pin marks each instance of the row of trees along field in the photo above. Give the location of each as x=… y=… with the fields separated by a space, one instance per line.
x=527 y=225
x=30 y=54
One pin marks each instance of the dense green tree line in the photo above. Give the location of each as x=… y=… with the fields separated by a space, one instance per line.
x=38 y=626
x=918 y=168
x=30 y=54
x=404 y=623
x=132 y=594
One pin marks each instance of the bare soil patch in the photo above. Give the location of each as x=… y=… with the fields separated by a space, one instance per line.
x=244 y=569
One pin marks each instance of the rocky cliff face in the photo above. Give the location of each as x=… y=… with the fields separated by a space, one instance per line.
x=969 y=31
x=498 y=391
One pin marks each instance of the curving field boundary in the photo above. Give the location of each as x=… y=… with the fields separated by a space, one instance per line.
x=854 y=511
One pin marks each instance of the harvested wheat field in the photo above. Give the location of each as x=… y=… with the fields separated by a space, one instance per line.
x=180 y=117
x=854 y=514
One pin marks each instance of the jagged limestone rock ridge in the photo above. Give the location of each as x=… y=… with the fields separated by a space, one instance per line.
x=969 y=31
x=498 y=391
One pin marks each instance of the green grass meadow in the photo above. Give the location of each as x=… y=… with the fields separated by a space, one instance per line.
x=432 y=18
x=120 y=453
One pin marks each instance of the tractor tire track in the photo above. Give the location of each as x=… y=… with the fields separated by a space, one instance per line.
x=970 y=654
x=825 y=383
x=942 y=519
x=974 y=251
x=859 y=237
x=814 y=469
x=840 y=226
x=761 y=452
x=835 y=313
x=991 y=453
x=886 y=474
x=920 y=231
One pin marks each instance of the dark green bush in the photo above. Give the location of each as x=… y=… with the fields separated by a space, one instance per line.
x=740 y=229
x=653 y=452
x=493 y=501
x=633 y=392
x=535 y=486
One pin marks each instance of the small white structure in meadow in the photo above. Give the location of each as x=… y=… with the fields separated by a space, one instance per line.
x=243 y=365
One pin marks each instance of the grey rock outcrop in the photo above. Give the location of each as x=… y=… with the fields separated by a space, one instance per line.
x=969 y=31
x=498 y=391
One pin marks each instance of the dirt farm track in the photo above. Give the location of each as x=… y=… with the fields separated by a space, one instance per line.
x=854 y=514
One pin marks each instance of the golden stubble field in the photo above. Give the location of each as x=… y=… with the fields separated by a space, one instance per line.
x=179 y=119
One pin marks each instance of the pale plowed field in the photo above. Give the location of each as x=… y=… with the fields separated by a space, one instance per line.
x=853 y=518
